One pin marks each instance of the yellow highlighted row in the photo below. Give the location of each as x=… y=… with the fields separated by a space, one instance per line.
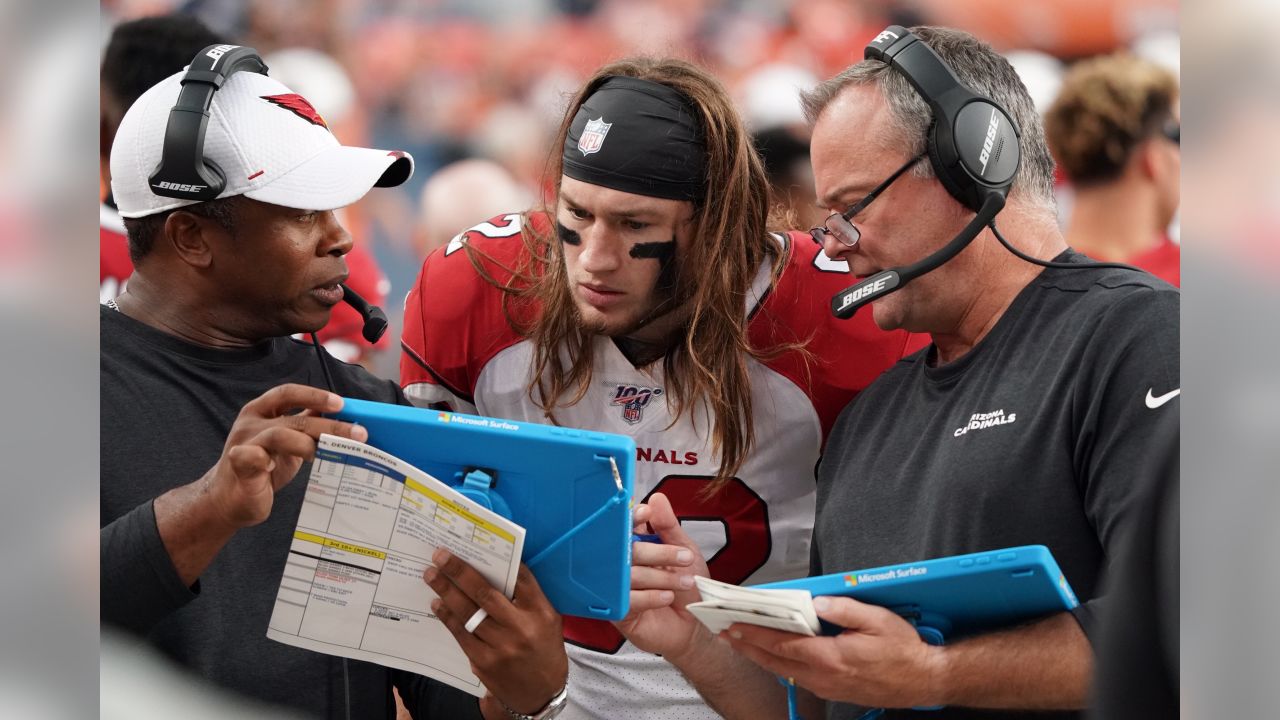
x=457 y=509
x=339 y=545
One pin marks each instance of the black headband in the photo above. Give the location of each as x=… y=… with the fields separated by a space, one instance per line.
x=639 y=137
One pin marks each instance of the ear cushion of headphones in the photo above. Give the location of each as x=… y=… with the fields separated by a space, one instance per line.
x=976 y=155
x=952 y=177
x=987 y=149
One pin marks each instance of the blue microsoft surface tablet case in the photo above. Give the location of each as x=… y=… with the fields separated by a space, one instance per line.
x=959 y=595
x=570 y=489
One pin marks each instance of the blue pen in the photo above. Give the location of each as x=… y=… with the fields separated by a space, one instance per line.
x=645 y=537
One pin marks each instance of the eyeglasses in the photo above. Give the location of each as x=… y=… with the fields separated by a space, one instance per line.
x=1172 y=131
x=840 y=225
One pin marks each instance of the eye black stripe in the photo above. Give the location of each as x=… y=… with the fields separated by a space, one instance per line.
x=660 y=251
x=567 y=236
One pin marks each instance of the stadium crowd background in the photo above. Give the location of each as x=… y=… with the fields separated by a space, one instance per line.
x=452 y=79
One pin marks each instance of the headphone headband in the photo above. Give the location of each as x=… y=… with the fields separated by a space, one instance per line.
x=184 y=172
x=922 y=67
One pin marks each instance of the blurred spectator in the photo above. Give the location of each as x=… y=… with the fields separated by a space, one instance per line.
x=459 y=193
x=139 y=54
x=770 y=100
x=770 y=96
x=1065 y=28
x=785 y=154
x=1040 y=72
x=1115 y=130
x=322 y=80
x=516 y=136
x=1162 y=47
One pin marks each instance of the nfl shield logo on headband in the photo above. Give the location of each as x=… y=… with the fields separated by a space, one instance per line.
x=593 y=135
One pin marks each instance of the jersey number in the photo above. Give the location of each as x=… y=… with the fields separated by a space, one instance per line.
x=487 y=229
x=747 y=544
x=826 y=264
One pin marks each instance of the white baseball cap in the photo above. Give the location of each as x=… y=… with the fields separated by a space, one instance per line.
x=269 y=142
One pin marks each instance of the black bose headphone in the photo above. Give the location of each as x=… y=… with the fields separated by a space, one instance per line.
x=185 y=173
x=974 y=150
x=973 y=142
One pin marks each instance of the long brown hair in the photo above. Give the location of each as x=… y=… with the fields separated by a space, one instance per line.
x=729 y=242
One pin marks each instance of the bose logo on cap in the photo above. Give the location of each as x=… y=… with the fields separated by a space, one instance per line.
x=218 y=52
x=991 y=139
x=181 y=187
x=885 y=35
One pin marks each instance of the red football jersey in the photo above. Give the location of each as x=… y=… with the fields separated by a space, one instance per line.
x=460 y=350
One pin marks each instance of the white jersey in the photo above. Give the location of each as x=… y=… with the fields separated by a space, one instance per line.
x=461 y=352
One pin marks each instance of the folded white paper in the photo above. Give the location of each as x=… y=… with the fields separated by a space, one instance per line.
x=724 y=604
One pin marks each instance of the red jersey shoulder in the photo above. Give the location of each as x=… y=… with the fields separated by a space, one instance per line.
x=454 y=319
x=846 y=355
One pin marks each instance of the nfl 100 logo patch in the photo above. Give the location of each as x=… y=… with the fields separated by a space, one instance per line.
x=593 y=135
x=633 y=400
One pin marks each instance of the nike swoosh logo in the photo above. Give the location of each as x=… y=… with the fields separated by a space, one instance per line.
x=1154 y=402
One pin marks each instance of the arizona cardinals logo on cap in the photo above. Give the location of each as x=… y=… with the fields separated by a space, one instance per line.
x=299 y=106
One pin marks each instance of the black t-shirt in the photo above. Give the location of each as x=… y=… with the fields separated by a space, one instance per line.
x=1137 y=648
x=1035 y=436
x=166 y=408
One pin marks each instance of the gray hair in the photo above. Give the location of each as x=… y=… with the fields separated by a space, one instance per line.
x=980 y=68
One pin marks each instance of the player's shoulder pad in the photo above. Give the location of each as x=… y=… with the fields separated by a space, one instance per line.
x=496 y=242
x=801 y=295
x=454 y=316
